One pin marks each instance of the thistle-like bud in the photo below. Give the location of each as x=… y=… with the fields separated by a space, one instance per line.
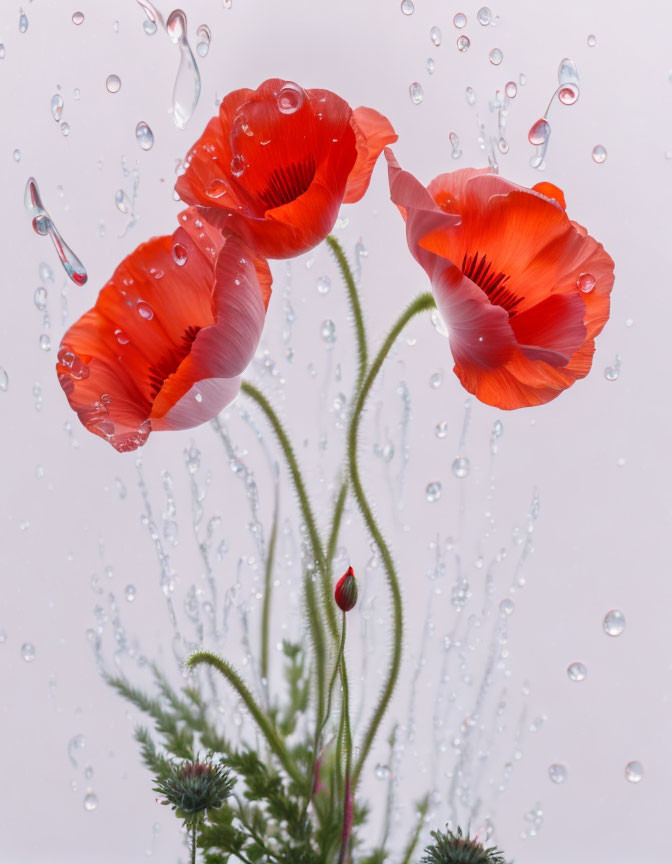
x=191 y=788
x=450 y=848
x=345 y=593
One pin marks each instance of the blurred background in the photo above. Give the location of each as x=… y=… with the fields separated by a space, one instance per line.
x=510 y=559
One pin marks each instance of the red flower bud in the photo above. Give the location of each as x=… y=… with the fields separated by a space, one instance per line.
x=346 y=591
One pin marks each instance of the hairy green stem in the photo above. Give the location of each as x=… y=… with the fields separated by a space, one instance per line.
x=268 y=588
x=355 y=305
x=415 y=836
x=260 y=718
x=193 y=843
x=317 y=635
x=327 y=596
x=348 y=792
x=420 y=304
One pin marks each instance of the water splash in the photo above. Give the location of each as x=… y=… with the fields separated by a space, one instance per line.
x=567 y=93
x=187 y=89
x=44 y=225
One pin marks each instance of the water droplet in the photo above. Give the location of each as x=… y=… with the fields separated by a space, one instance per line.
x=407 y=7
x=323 y=285
x=187 y=89
x=4 y=379
x=77 y=18
x=129 y=592
x=506 y=606
x=203 y=44
x=45 y=342
x=2 y=51
x=460 y=20
x=614 y=622
x=56 y=107
x=456 y=151
x=416 y=92
x=328 y=331
x=149 y=27
x=431 y=66
x=611 y=373
x=23 y=21
x=557 y=773
x=144 y=135
x=290 y=98
x=433 y=491
x=122 y=201
x=115 y=26
x=460 y=467
x=435 y=36
x=90 y=801
x=471 y=96
x=463 y=43
x=496 y=56
x=382 y=771
x=180 y=254
x=237 y=165
x=436 y=380
x=599 y=154
x=634 y=772
x=441 y=429
x=65 y=129
x=586 y=282
x=592 y=41
x=113 y=83
x=17 y=155
x=484 y=16
x=577 y=672
x=28 y=652
x=144 y=310
x=569 y=94
x=511 y=89
x=122 y=338
x=540 y=132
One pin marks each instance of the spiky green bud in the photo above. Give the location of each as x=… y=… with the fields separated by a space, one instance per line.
x=191 y=788
x=450 y=848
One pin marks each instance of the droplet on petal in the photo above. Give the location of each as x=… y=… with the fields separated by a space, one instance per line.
x=179 y=254
x=586 y=282
x=290 y=98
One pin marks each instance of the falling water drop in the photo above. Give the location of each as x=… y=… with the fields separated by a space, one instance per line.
x=17 y=155
x=577 y=672
x=569 y=94
x=435 y=35
x=416 y=92
x=65 y=129
x=43 y=225
x=40 y=298
x=460 y=20
x=456 y=151
x=153 y=17
x=471 y=96
x=460 y=467
x=77 y=18
x=382 y=771
x=187 y=89
x=23 y=21
x=433 y=491
x=506 y=606
x=90 y=801
x=407 y=7
x=614 y=622
x=45 y=342
x=484 y=16
x=328 y=331
x=56 y=107
x=122 y=201
x=129 y=591
x=431 y=65
x=611 y=373
x=496 y=56
x=4 y=379
x=511 y=89
x=144 y=135
x=113 y=83
x=539 y=132
x=592 y=41
x=28 y=652
x=557 y=773
x=599 y=154
x=203 y=44
x=634 y=772
x=463 y=43
x=441 y=429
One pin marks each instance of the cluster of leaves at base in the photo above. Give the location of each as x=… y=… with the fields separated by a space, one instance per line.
x=455 y=848
x=265 y=818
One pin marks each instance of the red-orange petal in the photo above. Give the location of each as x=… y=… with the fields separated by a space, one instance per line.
x=373 y=132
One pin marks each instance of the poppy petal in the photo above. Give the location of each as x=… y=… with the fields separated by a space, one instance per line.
x=373 y=132
x=552 y=330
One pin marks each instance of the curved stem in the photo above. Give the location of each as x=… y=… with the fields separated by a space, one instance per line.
x=268 y=588
x=355 y=305
x=262 y=721
x=349 y=789
x=420 y=304
x=327 y=596
x=317 y=635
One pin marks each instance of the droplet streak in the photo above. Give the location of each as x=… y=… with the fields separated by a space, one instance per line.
x=187 y=89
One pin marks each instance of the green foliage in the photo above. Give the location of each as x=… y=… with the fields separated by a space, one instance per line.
x=450 y=848
x=193 y=788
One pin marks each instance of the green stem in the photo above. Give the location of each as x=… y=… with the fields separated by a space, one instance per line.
x=415 y=836
x=420 y=304
x=262 y=721
x=327 y=596
x=330 y=692
x=268 y=587
x=349 y=789
x=317 y=635
x=193 y=843
x=355 y=305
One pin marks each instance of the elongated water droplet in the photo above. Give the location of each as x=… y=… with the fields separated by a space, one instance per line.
x=431 y=65
x=187 y=87
x=153 y=17
x=456 y=151
x=435 y=36
x=539 y=132
x=23 y=21
x=203 y=44
x=144 y=310
x=4 y=379
x=40 y=298
x=180 y=254
x=122 y=201
x=567 y=72
x=614 y=622
x=113 y=83
x=43 y=225
x=471 y=96
x=144 y=135
x=56 y=106
x=416 y=93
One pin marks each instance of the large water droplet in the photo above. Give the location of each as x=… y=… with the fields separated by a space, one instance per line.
x=203 y=44
x=237 y=165
x=90 y=801
x=23 y=21
x=290 y=98
x=180 y=254
x=586 y=282
x=484 y=16
x=511 y=89
x=407 y=7
x=463 y=43
x=28 y=652
x=634 y=772
x=56 y=107
x=187 y=87
x=599 y=154
x=144 y=310
x=130 y=593
x=557 y=773
x=113 y=83
x=614 y=622
x=433 y=491
x=435 y=35
x=144 y=135
x=461 y=467
x=77 y=18
x=577 y=672
x=496 y=56
x=460 y=20
x=416 y=92
x=539 y=132
x=569 y=94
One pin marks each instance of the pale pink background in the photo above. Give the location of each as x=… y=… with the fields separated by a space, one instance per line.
x=601 y=538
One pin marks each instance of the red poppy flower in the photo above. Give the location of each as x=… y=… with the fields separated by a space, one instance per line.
x=277 y=163
x=522 y=289
x=169 y=336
